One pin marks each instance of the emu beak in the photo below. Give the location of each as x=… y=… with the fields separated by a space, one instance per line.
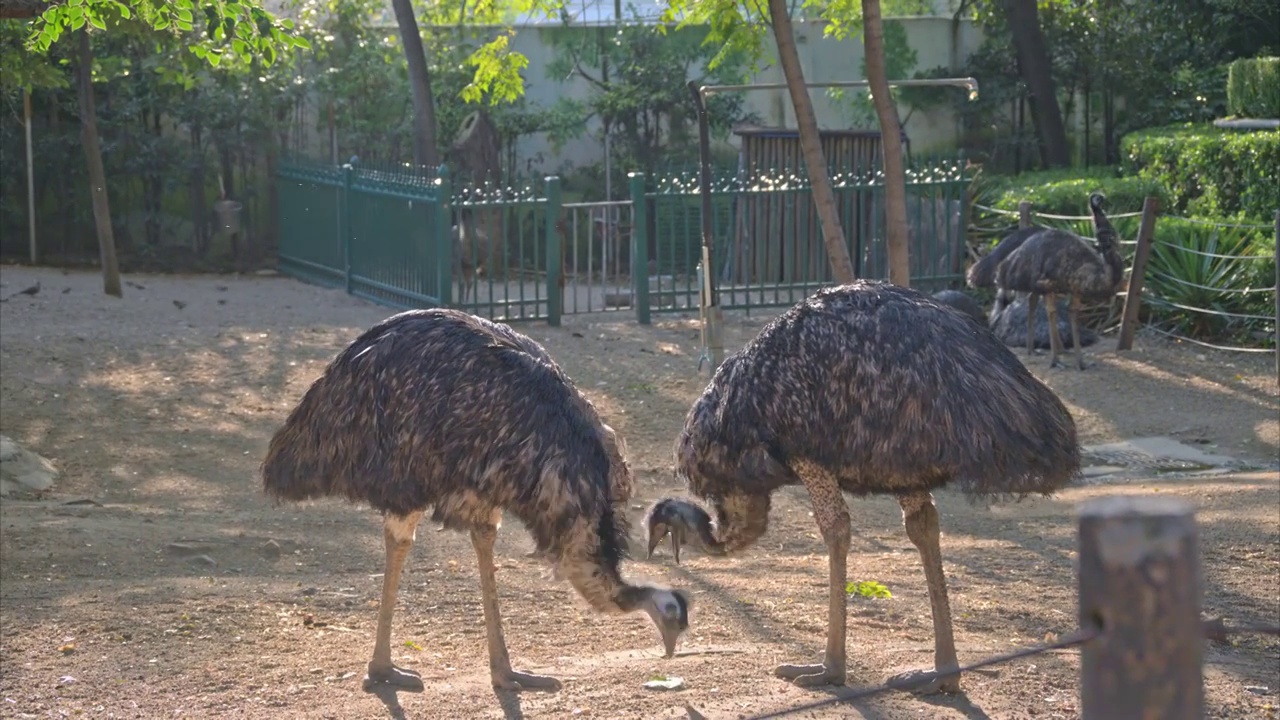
x=671 y=631
x=657 y=531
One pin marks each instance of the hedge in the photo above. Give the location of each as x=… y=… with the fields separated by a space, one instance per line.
x=1066 y=192
x=1208 y=171
x=1253 y=88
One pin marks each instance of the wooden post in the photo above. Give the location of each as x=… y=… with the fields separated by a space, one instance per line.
x=1140 y=582
x=1024 y=214
x=1275 y=253
x=1138 y=273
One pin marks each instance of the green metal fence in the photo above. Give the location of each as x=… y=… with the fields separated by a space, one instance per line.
x=767 y=242
x=385 y=234
x=388 y=235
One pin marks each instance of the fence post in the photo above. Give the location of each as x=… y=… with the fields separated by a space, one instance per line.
x=1138 y=273
x=1275 y=254
x=444 y=237
x=639 y=247
x=1140 y=584
x=344 y=207
x=555 y=262
x=1024 y=214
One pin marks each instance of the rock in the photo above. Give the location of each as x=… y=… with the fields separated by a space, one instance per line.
x=205 y=560
x=270 y=550
x=1010 y=325
x=23 y=470
x=665 y=683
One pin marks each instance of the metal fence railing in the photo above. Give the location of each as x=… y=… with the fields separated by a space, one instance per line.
x=407 y=237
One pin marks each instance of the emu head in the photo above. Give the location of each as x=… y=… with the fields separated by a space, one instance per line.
x=669 y=610
x=1095 y=201
x=679 y=519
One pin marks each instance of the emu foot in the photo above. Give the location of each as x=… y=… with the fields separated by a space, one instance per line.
x=513 y=680
x=394 y=676
x=810 y=675
x=925 y=682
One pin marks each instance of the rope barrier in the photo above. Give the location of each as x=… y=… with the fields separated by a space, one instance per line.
x=1202 y=253
x=1078 y=637
x=1214 y=629
x=1211 y=346
x=1225 y=291
x=1156 y=300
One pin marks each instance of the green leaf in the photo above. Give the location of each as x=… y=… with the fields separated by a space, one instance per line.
x=161 y=23
x=301 y=42
x=77 y=23
x=96 y=21
x=867 y=588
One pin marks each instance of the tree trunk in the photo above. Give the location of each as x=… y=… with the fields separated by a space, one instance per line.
x=1037 y=73
x=895 y=174
x=97 y=175
x=824 y=198
x=424 y=109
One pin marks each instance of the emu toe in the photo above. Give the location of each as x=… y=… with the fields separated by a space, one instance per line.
x=811 y=675
x=926 y=682
x=516 y=680
x=394 y=676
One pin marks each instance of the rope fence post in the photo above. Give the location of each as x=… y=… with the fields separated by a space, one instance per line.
x=1138 y=273
x=1025 y=220
x=1140 y=583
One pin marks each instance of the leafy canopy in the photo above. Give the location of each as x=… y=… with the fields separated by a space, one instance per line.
x=241 y=29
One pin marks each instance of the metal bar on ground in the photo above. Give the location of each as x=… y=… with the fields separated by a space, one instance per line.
x=1140 y=583
x=1137 y=274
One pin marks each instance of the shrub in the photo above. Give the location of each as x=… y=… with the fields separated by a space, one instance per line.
x=1212 y=282
x=1066 y=192
x=1207 y=171
x=1253 y=88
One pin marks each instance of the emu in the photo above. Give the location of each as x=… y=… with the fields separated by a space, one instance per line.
x=470 y=253
x=444 y=410
x=1054 y=262
x=866 y=388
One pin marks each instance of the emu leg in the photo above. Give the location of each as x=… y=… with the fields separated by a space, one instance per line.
x=832 y=514
x=398 y=533
x=1032 y=300
x=921 y=520
x=500 y=671
x=1073 y=311
x=1055 y=339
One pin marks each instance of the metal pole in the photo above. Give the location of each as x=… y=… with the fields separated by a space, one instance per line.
x=712 y=315
x=1275 y=253
x=968 y=83
x=1140 y=583
x=31 y=174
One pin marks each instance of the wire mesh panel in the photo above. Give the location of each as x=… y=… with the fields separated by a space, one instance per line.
x=311 y=244
x=596 y=245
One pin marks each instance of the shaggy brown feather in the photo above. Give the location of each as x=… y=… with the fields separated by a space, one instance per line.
x=886 y=388
x=440 y=409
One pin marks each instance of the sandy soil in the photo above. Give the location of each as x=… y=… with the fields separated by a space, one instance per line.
x=180 y=592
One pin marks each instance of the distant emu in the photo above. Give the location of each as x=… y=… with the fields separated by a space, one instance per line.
x=866 y=388
x=440 y=409
x=470 y=254
x=1054 y=262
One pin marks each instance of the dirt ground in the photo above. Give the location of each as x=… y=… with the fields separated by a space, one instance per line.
x=156 y=581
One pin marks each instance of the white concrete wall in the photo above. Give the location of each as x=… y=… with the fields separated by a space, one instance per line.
x=936 y=40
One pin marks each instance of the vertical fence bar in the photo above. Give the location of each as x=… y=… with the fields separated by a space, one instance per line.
x=1025 y=219
x=640 y=248
x=1140 y=583
x=555 y=298
x=1133 y=296
x=344 y=207
x=444 y=237
x=1275 y=258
